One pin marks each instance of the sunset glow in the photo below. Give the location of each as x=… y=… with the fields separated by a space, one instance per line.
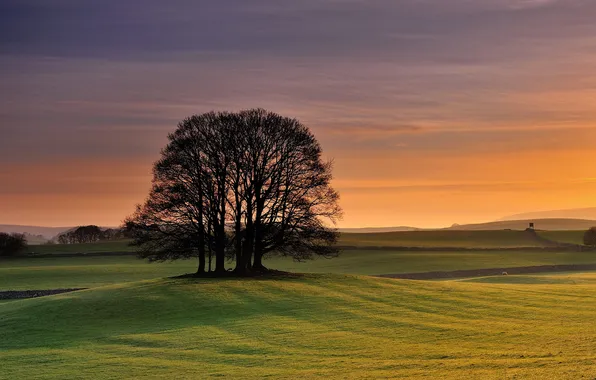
x=434 y=112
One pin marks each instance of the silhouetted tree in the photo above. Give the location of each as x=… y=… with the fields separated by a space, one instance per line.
x=82 y=234
x=241 y=184
x=590 y=237
x=12 y=244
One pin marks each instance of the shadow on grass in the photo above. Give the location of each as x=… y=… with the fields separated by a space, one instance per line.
x=265 y=274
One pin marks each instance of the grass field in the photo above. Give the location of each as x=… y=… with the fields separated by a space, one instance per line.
x=105 y=246
x=444 y=238
x=421 y=239
x=330 y=326
x=69 y=272
x=571 y=237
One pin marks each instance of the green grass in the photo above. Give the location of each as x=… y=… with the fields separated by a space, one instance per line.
x=320 y=326
x=424 y=239
x=571 y=237
x=82 y=272
x=104 y=246
x=67 y=272
x=443 y=238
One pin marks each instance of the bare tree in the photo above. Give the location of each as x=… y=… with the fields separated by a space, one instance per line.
x=247 y=184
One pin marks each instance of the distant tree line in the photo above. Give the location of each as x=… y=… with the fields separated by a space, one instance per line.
x=590 y=237
x=90 y=234
x=239 y=186
x=12 y=244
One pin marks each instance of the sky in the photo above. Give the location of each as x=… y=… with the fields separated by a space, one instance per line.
x=434 y=112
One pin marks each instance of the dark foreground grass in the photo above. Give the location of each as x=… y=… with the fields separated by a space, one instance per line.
x=316 y=326
x=87 y=272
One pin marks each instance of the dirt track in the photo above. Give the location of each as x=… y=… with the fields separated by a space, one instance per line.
x=492 y=272
x=20 y=294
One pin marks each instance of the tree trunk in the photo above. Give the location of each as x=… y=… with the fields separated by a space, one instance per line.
x=258 y=262
x=201 y=269
x=258 y=226
x=220 y=243
x=248 y=246
x=209 y=245
x=240 y=266
x=220 y=249
x=220 y=227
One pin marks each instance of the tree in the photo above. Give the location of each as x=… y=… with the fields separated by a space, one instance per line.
x=12 y=244
x=82 y=234
x=590 y=237
x=242 y=185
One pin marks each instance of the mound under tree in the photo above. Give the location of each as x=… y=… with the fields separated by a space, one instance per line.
x=238 y=185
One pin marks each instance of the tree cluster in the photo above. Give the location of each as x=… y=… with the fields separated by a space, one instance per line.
x=590 y=237
x=238 y=185
x=89 y=234
x=12 y=244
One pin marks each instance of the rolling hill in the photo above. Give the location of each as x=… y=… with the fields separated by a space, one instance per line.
x=378 y=229
x=46 y=232
x=310 y=326
x=449 y=238
x=539 y=224
x=576 y=213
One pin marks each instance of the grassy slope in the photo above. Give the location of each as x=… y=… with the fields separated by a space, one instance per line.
x=318 y=326
x=572 y=237
x=47 y=273
x=443 y=238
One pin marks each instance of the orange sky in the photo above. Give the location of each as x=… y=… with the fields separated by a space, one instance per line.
x=379 y=189
x=434 y=112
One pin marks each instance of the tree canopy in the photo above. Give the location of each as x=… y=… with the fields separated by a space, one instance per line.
x=90 y=234
x=12 y=244
x=238 y=185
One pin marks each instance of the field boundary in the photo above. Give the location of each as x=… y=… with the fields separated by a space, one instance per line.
x=491 y=272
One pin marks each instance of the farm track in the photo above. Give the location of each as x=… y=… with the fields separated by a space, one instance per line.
x=491 y=272
x=554 y=248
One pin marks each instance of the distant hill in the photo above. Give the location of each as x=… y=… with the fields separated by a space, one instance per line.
x=34 y=231
x=46 y=232
x=576 y=213
x=550 y=224
x=377 y=229
x=35 y=239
